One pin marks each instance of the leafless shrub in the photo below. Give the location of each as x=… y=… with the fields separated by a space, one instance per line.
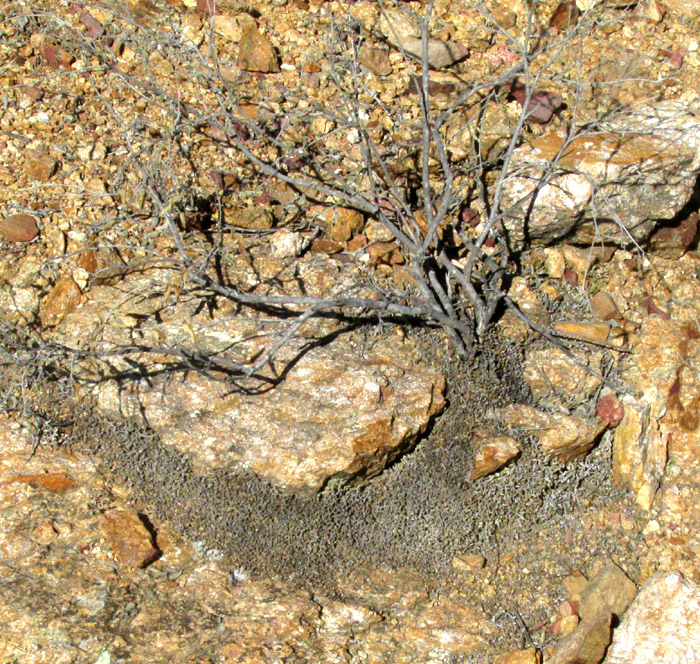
x=430 y=172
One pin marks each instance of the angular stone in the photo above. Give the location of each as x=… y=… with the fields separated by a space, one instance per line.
x=102 y=265
x=323 y=246
x=252 y=218
x=447 y=625
x=570 y=437
x=585 y=645
x=565 y=436
x=555 y=264
x=19 y=228
x=564 y=17
x=376 y=60
x=662 y=625
x=661 y=423
x=286 y=244
x=378 y=232
x=468 y=562
x=404 y=33
x=608 y=593
x=63 y=298
x=551 y=374
x=256 y=52
x=673 y=241
x=529 y=304
x=604 y=308
x=575 y=584
x=228 y=27
x=526 y=656
x=493 y=454
x=525 y=418
x=34 y=93
x=603 y=193
x=596 y=332
x=386 y=253
x=129 y=539
x=39 y=166
x=342 y=223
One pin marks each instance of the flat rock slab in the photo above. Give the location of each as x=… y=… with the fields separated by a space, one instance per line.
x=662 y=625
x=329 y=407
x=339 y=414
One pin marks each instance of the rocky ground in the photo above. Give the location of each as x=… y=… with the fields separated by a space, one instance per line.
x=362 y=495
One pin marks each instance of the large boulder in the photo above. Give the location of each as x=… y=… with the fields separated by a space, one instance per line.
x=613 y=185
x=662 y=625
x=323 y=410
x=339 y=414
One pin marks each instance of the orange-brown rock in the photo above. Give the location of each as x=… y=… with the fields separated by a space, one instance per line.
x=585 y=645
x=604 y=308
x=342 y=223
x=468 y=562
x=566 y=437
x=387 y=253
x=570 y=437
x=575 y=583
x=19 y=228
x=596 y=332
x=63 y=298
x=661 y=422
x=54 y=482
x=336 y=415
x=129 y=539
x=608 y=593
x=256 y=52
x=376 y=60
x=525 y=656
x=252 y=218
x=340 y=414
x=39 y=166
x=493 y=454
x=552 y=375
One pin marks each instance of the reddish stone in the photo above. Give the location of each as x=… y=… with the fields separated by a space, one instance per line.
x=564 y=17
x=673 y=241
x=129 y=539
x=63 y=298
x=34 y=93
x=54 y=482
x=19 y=228
x=55 y=56
x=94 y=27
x=610 y=410
x=651 y=306
x=39 y=165
x=207 y=7
x=571 y=277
